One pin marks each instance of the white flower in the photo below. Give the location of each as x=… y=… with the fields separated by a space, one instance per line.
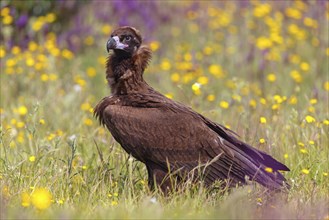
x=72 y=137
x=153 y=200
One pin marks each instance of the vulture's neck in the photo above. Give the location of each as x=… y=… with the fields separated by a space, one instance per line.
x=125 y=75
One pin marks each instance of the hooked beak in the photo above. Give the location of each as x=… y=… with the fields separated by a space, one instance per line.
x=114 y=43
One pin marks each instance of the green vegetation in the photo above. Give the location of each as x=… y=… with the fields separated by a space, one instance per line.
x=261 y=70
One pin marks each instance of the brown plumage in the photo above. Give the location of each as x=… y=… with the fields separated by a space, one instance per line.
x=167 y=136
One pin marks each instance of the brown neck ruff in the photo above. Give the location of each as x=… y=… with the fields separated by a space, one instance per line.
x=125 y=74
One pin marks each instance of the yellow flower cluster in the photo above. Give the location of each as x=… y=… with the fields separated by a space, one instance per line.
x=43 y=20
x=36 y=61
x=40 y=198
x=7 y=19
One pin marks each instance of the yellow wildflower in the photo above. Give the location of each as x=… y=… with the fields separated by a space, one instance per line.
x=88 y=121
x=216 y=70
x=263 y=101
x=224 y=104
x=67 y=54
x=187 y=57
x=2 y=52
x=85 y=106
x=7 y=20
x=211 y=98
x=20 y=138
x=326 y=85
x=37 y=25
x=253 y=103
x=169 y=95
x=5 y=11
x=114 y=203
x=295 y=75
x=101 y=60
x=175 y=77
x=81 y=82
x=165 y=65
x=208 y=50
x=51 y=136
x=263 y=43
x=313 y=101
x=203 y=80
x=303 y=151
x=261 y=10
x=91 y=72
x=196 y=86
x=262 y=120
x=50 y=18
x=15 y=50
x=44 y=77
x=41 y=198
x=271 y=77
x=293 y=13
x=89 y=40
x=106 y=29
x=275 y=107
x=12 y=144
x=309 y=119
x=301 y=144
x=32 y=46
x=305 y=66
x=60 y=201
x=154 y=45
x=309 y=22
x=5 y=191
x=22 y=110
x=269 y=169
x=293 y=100
x=32 y=159
x=305 y=171
x=20 y=124
x=30 y=62
x=25 y=199
x=236 y=97
x=311 y=109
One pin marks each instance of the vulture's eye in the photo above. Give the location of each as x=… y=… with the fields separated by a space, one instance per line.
x=128 y=38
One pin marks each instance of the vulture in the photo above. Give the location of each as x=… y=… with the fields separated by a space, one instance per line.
x=172 y=140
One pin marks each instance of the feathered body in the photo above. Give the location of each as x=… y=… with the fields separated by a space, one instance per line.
x=167 y=136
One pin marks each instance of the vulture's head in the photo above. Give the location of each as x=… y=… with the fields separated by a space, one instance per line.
x=124 y=41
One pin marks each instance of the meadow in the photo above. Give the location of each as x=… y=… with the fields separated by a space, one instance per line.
x=257 y=67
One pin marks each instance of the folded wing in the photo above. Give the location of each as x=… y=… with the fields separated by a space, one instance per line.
x=158 y=130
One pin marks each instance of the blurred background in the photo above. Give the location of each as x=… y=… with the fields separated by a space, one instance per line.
x=240 y=54
x=258 y=67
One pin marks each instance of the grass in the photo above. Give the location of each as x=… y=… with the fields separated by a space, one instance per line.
x=49 y=138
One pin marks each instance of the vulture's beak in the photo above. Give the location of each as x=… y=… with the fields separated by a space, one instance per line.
x=114 y=43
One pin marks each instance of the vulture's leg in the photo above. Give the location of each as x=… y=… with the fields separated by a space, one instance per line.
x=158 y=177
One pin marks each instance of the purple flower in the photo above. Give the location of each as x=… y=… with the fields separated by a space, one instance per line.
x=22 y=21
